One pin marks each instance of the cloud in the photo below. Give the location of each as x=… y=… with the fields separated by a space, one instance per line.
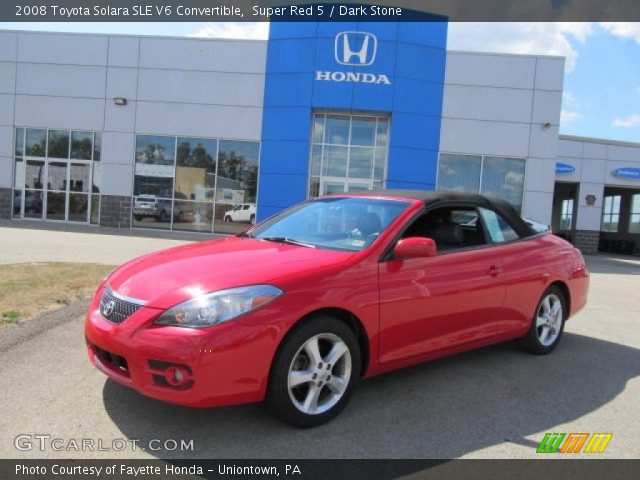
x=570 y=107
x=240 y=30
x=630 y=121
x=537 y=38
x=568 y=98
x=567 y=116
x=623 y=29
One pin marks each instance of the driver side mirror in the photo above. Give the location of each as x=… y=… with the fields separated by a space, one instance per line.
x=415 y=247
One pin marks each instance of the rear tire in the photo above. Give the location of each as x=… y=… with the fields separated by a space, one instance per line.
x=547 y=323
x=314 y=372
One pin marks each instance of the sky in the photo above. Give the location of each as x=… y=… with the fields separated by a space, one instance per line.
x=602 y=73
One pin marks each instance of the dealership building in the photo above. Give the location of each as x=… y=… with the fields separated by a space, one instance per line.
x=210 y=135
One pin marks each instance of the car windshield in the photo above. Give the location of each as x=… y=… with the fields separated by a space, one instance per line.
x=334 y=223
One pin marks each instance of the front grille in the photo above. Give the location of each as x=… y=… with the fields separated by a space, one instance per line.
x=114 y=309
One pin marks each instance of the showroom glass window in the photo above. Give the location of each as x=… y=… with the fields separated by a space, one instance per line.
x=195 y=184
x=57 y=175
x=497 y=177
x=236 y=186
x=611 y=213
x=348 y=153
x=155 y=166
x=634 y=215
x=566 y=214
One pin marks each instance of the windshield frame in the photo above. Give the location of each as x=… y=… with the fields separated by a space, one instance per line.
x=273 y=220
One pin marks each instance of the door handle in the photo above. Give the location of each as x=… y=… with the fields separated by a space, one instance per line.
x=494 y=270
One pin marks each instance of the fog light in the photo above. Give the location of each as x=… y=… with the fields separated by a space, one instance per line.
x=176 y=376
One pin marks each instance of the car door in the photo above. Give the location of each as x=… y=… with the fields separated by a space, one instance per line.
x=439 y=303
x=523 y=272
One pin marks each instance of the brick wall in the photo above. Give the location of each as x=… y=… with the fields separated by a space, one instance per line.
x=587 y=241
x=115 y=211
x=5 y=202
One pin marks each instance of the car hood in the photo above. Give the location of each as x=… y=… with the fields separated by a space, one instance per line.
x=168 y=277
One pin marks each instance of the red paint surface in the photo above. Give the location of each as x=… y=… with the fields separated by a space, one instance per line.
x=409 y=310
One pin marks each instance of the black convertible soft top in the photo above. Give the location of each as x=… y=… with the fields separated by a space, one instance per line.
x=432 y=198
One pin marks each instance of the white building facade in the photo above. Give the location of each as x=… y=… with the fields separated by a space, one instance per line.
x=209 y=135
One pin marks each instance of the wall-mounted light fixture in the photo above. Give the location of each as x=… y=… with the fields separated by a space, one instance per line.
x=120 y=101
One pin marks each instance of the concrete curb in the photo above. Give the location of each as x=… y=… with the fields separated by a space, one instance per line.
x=13 y=335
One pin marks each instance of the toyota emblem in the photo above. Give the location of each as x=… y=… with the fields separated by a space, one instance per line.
x=109 y=307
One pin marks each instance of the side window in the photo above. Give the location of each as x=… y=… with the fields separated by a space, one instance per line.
x=450 y=227
x=497 y=227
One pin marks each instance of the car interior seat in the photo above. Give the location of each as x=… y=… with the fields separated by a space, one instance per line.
x=448 y=235
x=369 y=224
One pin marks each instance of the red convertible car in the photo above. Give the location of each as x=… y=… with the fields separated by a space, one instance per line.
x=299 y=308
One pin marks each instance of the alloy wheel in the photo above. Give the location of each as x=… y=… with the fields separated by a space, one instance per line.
x=319 y=373
x=549 y=319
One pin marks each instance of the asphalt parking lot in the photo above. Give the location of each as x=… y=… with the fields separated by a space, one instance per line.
x=497 y=402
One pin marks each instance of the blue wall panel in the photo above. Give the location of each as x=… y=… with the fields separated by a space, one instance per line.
x=415 y=131
x=285 y=157
x=295 y=88
x=410 y=56
x=368 y=96
x=286 y=123
x=412 y=165
x=281 y=190
x=331 y=29
x=383 y=30
x=417 y=96
x=291 y=56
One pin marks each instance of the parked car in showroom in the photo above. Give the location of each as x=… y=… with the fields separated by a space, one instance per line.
x=157 y=208
x=245 y=212
x=296 y=311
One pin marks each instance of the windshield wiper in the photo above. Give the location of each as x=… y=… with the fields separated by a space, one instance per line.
x=287 y=240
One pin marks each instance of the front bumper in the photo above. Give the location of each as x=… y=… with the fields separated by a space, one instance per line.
x=225 y=365
x=145 y=210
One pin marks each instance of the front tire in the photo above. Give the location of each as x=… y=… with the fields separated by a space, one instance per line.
x=314 y=372
x=547 y=324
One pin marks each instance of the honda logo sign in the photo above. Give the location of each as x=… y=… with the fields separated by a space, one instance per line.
x=355 y=48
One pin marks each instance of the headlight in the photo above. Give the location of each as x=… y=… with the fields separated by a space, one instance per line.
x=218 y=307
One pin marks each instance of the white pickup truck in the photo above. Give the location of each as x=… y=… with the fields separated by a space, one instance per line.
x=245 y=212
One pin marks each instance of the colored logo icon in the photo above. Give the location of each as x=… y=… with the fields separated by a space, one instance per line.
x=574 y=442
